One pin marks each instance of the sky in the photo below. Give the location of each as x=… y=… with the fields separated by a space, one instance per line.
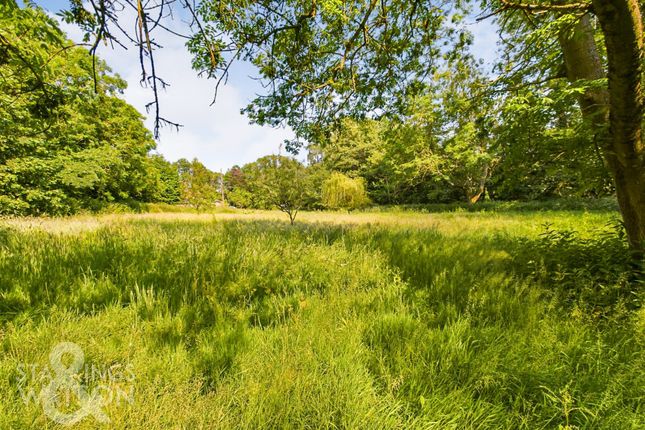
x=218 y=135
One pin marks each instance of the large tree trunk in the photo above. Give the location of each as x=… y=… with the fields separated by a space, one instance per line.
x=622 y=26
x=473 y=194
x=620 y=106
x=582 y=61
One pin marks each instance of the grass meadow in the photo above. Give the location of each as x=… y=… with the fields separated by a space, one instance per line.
x=398 y=319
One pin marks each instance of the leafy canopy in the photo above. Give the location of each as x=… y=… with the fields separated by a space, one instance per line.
x=68 y=142
x=322 y=60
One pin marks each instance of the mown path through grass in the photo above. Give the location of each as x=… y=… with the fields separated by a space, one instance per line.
x=398 y=320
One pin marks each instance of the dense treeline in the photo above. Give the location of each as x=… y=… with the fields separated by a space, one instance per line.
x=69 y=143
x=453 y=148
x=454 y=144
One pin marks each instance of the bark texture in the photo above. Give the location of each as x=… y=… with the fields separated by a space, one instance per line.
x=621 y=23
x=615 y=113
x=582 y=61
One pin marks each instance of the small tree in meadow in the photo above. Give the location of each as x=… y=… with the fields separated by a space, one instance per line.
x=341 y=191
x=285 y=184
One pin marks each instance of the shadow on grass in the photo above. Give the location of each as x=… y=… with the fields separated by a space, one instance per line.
x=185 y=263
x=604 y=204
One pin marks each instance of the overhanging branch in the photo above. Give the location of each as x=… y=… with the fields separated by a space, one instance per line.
x=538 y=7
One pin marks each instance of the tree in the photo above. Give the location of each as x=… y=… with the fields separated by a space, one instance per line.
x=342 y=192
x=199 y=186
x=439 y=148
x=324 y=60
x=281 y=182
x=543 y=147
x=163 y=181
x=614 y=112
x=364 y=149
x=275 y=181
x=460 y=120
x=236 y=189
x=286 y=184
x=466 y=162
x=67 y=142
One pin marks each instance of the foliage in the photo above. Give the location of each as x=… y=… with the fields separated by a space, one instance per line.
x=68 y=142
x=452 y=145
x=327 y=60
x=165 y=184
x=444 y=144
x=342 y=192
x=199 y=186
x=275 y=181
x=540 y=157
x=237 y=190
x=460 y=120
x=283 y=183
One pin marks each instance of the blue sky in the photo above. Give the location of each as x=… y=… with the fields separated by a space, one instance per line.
x=217 y=135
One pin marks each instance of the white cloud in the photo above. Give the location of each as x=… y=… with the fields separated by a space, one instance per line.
x=218 y=135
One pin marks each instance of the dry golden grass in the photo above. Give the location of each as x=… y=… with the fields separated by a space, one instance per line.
x=450 y=223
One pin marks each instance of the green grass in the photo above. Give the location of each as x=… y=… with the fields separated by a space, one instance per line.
x=367 y=320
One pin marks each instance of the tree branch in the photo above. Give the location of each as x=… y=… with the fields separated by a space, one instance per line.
x=537 y=7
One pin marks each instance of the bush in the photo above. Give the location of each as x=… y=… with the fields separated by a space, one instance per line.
x=239 y=198
x=597 y=273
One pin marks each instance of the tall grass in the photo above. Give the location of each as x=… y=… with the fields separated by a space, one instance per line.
x=482 y=323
